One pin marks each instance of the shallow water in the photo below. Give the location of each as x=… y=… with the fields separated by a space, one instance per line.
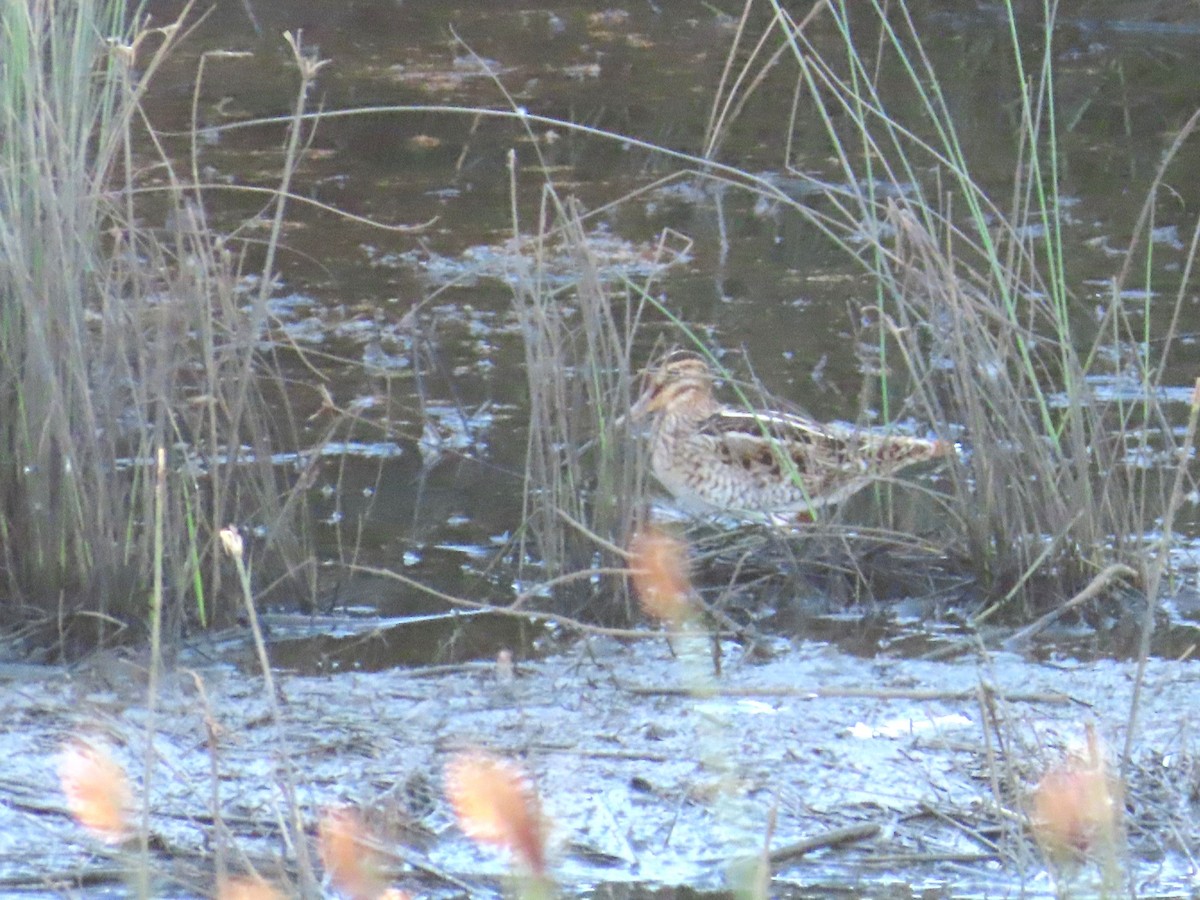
x=415 y=332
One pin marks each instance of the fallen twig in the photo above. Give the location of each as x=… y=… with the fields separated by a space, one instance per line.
x=920 y=858
x=513 y=609
x=816 y=693
x=972 y=833
x=823 y=841
x=1094 y=587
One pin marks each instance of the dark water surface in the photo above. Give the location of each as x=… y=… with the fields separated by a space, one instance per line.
x=415 y=332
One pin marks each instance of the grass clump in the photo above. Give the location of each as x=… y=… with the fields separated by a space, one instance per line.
x=583 y=474
x=123 y=336
x=974 y=314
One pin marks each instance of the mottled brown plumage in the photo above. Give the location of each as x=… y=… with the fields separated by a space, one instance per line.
x=713 y=457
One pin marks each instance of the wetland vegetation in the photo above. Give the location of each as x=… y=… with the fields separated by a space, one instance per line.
x=377 y=285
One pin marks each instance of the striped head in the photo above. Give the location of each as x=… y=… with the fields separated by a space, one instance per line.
x=681 y=383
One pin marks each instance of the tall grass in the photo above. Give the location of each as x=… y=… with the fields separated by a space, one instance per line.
x=976 y=325
x=120 y=336
x=582 y=476
x=974 y=315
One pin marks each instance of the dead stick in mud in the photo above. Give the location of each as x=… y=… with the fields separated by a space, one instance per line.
x=972 y=833
x=912 y=859
x=823 y=841
x=814 y=693
x=532 y=615
x=421 y=864
x=36 y=881
x=512 y=609
x=1094 y=587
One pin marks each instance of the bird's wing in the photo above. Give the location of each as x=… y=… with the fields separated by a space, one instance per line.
x=816 y=449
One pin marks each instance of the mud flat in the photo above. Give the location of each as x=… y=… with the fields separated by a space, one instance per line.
x=878 y=777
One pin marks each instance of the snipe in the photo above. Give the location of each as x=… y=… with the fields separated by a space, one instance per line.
x=714 y=457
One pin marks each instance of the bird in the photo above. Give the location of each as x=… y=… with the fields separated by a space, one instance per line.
x=716 y=458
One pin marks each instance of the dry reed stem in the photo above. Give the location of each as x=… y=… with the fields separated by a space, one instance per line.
x=231 y=541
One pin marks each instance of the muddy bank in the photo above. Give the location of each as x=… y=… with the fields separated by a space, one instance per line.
x=881 y=777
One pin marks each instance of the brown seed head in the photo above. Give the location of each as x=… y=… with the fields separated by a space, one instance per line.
x=1077 y=806
x=96 y=789
x=658 y=566
x=247 y=889
x=231 y=541
x=352 y=864
x=496 y=804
